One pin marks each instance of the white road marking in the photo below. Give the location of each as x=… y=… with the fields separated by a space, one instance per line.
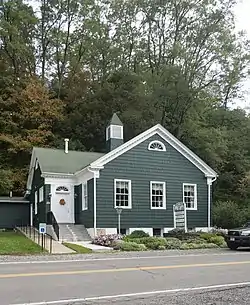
x=138 y=294
x=123 y=258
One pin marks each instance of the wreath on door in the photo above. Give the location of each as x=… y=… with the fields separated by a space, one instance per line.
x=62 y=202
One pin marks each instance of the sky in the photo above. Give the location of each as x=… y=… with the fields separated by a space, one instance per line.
x=242 y=15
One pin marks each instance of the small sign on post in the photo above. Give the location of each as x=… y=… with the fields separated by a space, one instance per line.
x=119 y=211
x=42 y=228
x=180 y=216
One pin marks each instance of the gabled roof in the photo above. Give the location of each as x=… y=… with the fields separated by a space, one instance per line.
x=57 y=161
x=168 y=137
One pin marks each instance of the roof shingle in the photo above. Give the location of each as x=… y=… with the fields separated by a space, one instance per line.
x=57 y=161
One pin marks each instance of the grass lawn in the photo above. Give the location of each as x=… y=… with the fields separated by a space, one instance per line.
x=15 y=243
x=77 y=248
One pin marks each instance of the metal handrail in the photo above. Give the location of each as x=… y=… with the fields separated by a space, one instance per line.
x=51 y=220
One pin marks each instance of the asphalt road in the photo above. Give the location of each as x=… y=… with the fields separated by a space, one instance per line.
x=148 y=280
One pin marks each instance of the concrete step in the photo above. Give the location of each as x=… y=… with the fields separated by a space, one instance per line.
x=73 y=233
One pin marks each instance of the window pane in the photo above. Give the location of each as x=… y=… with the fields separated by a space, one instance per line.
x=157 y=195
x=189 y=196
x=116 y=132
x=122 y=194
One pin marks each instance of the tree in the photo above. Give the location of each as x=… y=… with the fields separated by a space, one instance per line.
x=17 y=32
x=27 y=119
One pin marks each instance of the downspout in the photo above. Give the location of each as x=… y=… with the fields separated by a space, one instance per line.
x=209 y=182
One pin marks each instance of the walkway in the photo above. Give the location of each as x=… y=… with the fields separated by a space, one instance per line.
x=51 y=245
x=89 y=245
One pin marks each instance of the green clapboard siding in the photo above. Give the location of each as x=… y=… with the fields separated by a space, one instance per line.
x=42 y=207
x=142 y=166
x=14 y=214
x=85 y=217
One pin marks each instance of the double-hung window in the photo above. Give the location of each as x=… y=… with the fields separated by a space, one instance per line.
x=158 y=195
x=122 y=192
x=190 y=196
x=84 y=196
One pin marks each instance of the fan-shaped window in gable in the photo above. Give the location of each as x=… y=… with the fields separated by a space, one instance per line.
x=62 y=189
x=156 y=145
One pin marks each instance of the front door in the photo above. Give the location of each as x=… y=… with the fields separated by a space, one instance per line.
x=63 y=205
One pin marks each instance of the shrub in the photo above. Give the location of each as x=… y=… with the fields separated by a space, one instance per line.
x=155 y=243
x=196 y=240
x=131 y=246
x=189 y=246
x=214 y=239
x=138 y=234
x=172 y=243
x=152 y=243
x=161 y=248
x=106 y=240
x=181 y=234
x=228 y=215
x=219 y=231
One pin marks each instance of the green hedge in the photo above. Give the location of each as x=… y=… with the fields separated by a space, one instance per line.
x=130 y=246
x=138 y=234
x=189 y=246
x=213 y=239
x=185 y=241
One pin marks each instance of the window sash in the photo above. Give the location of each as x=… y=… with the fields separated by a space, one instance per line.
x=84 y=196
x=122 y=193
x=190 y=196
x=158 y=195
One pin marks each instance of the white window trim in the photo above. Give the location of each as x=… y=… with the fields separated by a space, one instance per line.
x=195 y=195
x=84 y=197
x=41 y=192
x=36 y=210
x=36 y=165
x=157 y=142
x=112 y=132
x=164 y=195
x=129 y=193
x=108 y=132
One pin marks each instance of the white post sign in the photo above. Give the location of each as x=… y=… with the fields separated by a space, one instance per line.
x=42 y=228
x=180 y=216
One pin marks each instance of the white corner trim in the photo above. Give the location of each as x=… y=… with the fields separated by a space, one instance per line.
x=164 y=195
x=159 y=143
x=129 y=193
x=96 y=173
x=195 y=194
x=36 y=164
x=84 y=196
x=165 y=135
x=209 y=185
x=31 y=170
